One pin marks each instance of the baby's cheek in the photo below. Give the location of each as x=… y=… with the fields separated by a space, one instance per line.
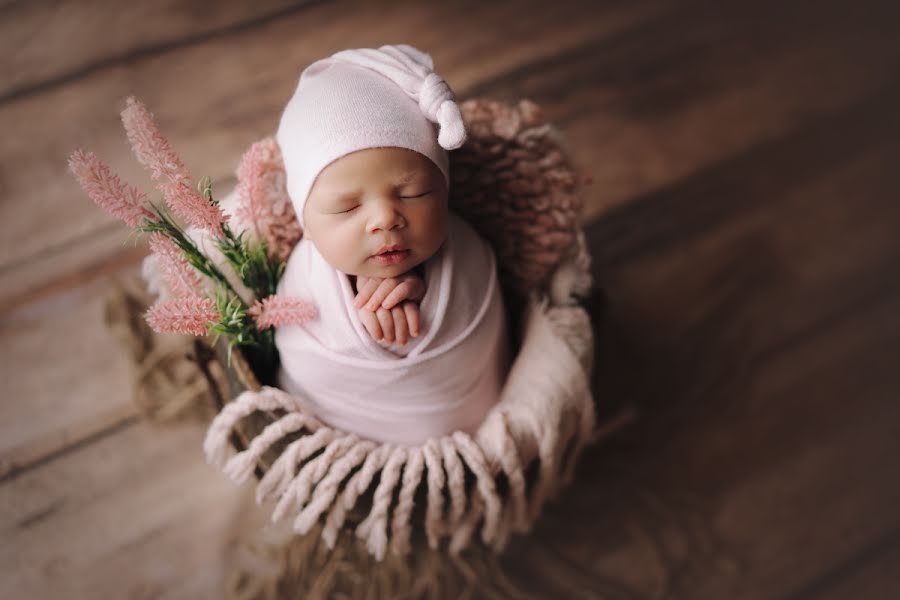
x=434 y=236
x=342 y=252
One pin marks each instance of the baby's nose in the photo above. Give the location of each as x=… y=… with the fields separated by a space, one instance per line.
x=385 y=217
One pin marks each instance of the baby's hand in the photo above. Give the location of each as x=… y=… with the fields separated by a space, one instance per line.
x=373 y=292
x=387 y=307
x=392 y=324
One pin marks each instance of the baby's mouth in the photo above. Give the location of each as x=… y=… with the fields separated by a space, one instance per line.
x=390 y=255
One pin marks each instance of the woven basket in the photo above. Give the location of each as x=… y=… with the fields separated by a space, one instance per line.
x=513 y=182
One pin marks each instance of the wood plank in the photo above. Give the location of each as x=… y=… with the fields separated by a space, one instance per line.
x=752 y=318
x=761 y=349
x=646 y=527
x=642 y=150
x=243 y=93
x=51 y=425
x=68 y=378
x=136 y=515
x=773 y=248
x=831 y=490
x=46 y=44
x=871 y=573
x=641 y=116
x=94 y=255
x=760 y=222
x=695 y=522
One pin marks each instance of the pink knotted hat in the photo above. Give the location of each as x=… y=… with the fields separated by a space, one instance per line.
x=366 y=98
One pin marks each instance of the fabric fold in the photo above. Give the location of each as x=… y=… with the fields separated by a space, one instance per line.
x=445 y=380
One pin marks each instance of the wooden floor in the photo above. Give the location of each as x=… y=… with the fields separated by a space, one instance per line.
x=744 y=217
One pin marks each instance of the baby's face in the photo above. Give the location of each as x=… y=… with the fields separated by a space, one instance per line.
x=377 y=212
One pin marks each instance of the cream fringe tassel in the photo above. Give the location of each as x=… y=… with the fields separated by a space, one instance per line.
x=545 y=413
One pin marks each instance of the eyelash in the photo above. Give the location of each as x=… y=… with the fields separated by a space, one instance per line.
x=416 y=196
x=402 y=197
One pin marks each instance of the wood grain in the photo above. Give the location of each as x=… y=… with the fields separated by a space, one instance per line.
x=76 y=246
x=113 y=520
x=243 y=93
x=46 y=391
x=759 y=340
x=743 y=221
x=679 y=91
x=98 y=33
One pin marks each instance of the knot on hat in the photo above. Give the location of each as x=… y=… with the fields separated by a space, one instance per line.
x=437 y=101
x=412 y=70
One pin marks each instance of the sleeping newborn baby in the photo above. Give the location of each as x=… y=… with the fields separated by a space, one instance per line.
x=410 y=339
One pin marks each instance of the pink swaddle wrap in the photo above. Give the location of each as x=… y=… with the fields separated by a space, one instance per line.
x=443 y=381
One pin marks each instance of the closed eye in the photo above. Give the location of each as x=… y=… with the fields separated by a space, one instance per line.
x=351 y=209
x=425 y=193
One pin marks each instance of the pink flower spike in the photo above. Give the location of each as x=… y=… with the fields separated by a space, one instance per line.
x=150 y=147
x=190 y=314
x=191 y=206
x=152 y=150
x=264 y=205
x=251 y=186
x=179 y=275
x=281 y=310
x=119 y=199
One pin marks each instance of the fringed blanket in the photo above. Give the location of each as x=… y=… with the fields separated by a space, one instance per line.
x=544 y=417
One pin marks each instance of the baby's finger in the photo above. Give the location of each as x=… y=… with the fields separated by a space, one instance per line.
x=387 y=324
x=381 y=293
x=416 y=287
x=370 y=322
x=407 y=290
x=401 y=330
x=365 y=287
x=411 y=310
x=401 y=292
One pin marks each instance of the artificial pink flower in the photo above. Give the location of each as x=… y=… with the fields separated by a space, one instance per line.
x=281 y=310
x=109 y=192
x=264 y=203
x=187 y=314
x=187 y=203
x=153 y=151
x=251 y=190
x=150 y=147
x=181 y=277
